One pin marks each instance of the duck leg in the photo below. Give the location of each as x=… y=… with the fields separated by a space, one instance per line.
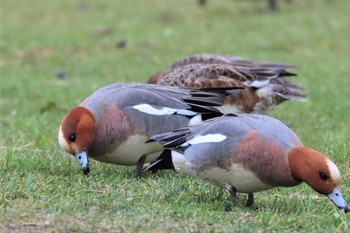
x=250 y=200
x=139 y=166
x=233 y=192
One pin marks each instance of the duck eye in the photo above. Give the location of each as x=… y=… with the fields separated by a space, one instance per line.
x=72 y=137
x=323 y=176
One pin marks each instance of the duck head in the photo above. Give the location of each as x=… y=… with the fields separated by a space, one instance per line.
x=76 y=134
x=319 y=172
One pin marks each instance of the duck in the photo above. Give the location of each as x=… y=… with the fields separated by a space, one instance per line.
x=247 y=153
x=113 y=123
x=265 y=84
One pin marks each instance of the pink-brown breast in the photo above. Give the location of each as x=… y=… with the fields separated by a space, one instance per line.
x=112 y=129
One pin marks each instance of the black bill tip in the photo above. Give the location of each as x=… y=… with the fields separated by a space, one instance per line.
x=347 y=209
x=83 y=159
x=86 y=170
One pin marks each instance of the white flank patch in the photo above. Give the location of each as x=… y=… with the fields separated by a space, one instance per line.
x=131 y=151
x=205 y=139
x=335 y=175
x=181 y=164
x=196 y=120
x=228 y=108
x=62 y=141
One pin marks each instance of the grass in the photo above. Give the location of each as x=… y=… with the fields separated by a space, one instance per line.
x=54 y=54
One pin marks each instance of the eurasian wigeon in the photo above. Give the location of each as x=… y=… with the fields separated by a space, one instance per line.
x=247 y=153
x=113 y=124
x=265 y=82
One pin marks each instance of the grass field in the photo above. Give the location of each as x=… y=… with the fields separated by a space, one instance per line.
x=56 y=53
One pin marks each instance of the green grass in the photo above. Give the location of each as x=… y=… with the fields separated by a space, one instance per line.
x=43 y=190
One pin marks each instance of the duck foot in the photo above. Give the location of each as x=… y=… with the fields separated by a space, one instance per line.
x=139 y=166
x=233 y=192
x=250 y=200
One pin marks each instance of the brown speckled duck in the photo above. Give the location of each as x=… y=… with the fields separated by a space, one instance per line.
x=264 y=82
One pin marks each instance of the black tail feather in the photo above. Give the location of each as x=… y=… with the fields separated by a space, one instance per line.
x=172 y=139
x=164 y=161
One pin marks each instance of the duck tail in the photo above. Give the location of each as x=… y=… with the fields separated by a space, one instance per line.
x=289 y=92
x=164 y=161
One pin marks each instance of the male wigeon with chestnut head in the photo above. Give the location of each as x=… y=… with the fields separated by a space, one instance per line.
x=265 y=82
x=113 y=124
x=247 y=153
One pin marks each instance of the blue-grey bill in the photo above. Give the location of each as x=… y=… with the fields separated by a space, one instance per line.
x=83 y=160
x=338 y=200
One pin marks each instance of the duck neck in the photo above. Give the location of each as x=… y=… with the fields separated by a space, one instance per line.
x=298 y=163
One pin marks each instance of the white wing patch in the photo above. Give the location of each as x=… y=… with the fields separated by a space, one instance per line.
x=205 y=139
x=146 y=108
x=186 y=112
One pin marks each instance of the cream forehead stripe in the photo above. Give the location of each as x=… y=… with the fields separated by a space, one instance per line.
x=335 y=175
x=205 y=139
x=63 y=143
x=146 y=108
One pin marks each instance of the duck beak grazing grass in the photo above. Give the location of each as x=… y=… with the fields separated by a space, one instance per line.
x=83 y=160
x=337 y=198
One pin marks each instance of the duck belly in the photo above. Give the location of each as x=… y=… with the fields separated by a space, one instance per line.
x=130 y=151
x=243 y=180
